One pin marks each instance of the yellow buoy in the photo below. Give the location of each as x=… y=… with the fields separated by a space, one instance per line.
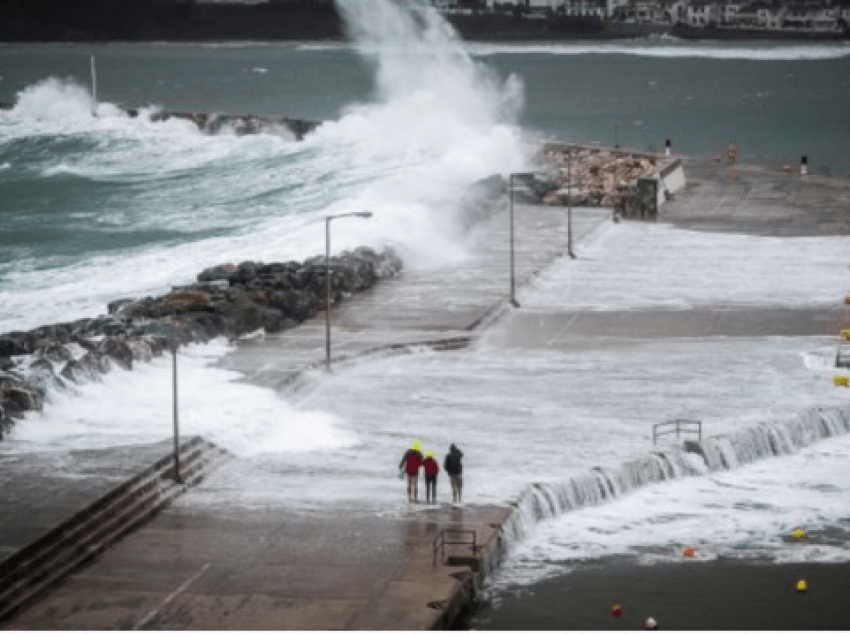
x=802 y=586
x=841 y=380
x=847 y=300
x=798 y=533
x=845 y=333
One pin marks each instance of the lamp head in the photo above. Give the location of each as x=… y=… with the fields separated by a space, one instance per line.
x=365 y=215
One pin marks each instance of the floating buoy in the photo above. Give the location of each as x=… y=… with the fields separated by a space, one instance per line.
x=841 y=380
x=688 y=552
x=798 y=533
x=845 y=333
x=650 y=623
x=616 y=610
x=847 y=300
x=802 y=586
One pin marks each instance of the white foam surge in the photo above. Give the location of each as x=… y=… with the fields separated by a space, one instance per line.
x=747 y=513
x=635 y=265
x=135 y=407
x=675 y=49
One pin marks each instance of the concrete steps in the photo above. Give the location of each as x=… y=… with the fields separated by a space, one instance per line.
x=32 y=571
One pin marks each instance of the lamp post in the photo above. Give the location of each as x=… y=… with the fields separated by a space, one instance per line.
x=177 y=476
x=513 y=300
x=570 y=204
x=328 y=219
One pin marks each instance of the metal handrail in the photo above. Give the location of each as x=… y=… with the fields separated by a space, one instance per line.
x=683 y=426
x=441 y=543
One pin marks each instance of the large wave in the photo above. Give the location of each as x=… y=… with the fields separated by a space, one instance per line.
x=143 y=204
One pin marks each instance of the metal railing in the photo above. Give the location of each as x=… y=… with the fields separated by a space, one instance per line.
x=441 y=543
x=676 y=426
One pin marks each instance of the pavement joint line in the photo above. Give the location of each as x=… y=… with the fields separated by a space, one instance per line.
x=152 y=615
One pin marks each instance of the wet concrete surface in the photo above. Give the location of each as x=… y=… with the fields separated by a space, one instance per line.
x=38 y=492
x=763 y=200
x=571 y=330
x=200 y=568
x=424 y=304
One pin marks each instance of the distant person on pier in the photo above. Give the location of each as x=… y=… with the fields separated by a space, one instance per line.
x=410 y=462
x=454 y=470
x=431 y=469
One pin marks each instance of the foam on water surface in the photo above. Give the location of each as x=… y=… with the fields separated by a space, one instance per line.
x=748 y=513
x=135 y=407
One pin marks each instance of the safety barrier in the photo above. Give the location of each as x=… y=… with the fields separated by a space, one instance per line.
x=676 y=426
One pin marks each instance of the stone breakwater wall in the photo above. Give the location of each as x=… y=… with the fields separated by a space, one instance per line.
x=214 y=123
x=595 y=176
x=634 y=183
x=227 y=300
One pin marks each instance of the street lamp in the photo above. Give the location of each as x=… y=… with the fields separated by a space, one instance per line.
x=570 y=204
x=524 y=175
x=328 y=219
x=174 y=346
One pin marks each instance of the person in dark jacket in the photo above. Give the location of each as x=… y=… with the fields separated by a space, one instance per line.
x=410 y=462
x=454 y=470
x=431 y=469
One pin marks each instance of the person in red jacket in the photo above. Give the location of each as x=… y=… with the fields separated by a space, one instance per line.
x=431 y=469
x=411 y=461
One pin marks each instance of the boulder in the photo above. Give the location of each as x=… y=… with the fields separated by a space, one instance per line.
x=185 y=300
x=118 y=350
x=95 y=364
x=141 y=350
x=16 y=400
x=77 y=373
x=41 y=376
x=16 y=343
x=114 y=306
x=220 y=272
x=55 y=353
x=138 y=309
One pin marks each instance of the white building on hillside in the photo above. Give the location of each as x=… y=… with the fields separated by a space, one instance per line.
x=703 y=13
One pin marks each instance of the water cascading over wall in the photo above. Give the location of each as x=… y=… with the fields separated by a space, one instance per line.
x=541 y=501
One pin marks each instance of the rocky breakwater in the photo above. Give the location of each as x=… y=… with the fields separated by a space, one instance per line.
x=584 y=175
x=227 y=300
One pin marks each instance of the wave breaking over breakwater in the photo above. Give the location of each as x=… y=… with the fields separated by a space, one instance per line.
x=542 y=501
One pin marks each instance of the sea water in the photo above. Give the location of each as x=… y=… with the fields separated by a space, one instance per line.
x=97 y=208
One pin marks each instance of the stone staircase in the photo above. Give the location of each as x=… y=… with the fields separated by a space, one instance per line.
x=32 y=571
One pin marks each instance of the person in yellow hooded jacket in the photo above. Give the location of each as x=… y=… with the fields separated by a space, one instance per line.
x=411 y=462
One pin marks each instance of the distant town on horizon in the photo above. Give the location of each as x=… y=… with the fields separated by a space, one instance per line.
x=81 y=20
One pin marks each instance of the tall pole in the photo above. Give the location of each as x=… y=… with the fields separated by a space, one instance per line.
x=570 y=203
x=328 y=219
x=177 y=477
x=93 y=88
x=328 y=286
x=513 y=280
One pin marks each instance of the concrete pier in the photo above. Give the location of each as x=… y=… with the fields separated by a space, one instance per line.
x=209 y=562
x=205 y=566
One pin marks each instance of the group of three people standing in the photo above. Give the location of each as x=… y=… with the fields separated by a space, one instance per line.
x=414 y=459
